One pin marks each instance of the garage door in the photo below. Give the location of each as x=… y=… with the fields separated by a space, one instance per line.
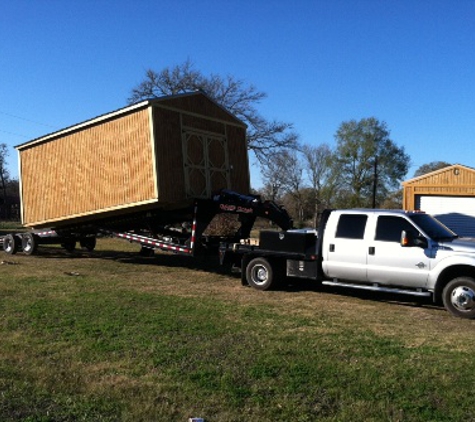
x=457 y=213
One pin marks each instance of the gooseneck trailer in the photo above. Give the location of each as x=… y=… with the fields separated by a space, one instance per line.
x=182 y=231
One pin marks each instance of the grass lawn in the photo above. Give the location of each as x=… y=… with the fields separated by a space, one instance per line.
x=111 y=336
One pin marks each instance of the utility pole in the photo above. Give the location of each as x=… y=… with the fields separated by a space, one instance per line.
x=375 y=180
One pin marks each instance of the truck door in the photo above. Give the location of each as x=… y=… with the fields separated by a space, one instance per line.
x=344 y=251
x=389 y=262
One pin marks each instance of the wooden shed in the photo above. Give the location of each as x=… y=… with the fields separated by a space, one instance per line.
x=448 y=194
x=159 y=153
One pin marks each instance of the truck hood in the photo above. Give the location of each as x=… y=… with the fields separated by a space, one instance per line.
x=462 y=244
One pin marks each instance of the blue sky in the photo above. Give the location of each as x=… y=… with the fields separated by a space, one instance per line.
x=321 y=62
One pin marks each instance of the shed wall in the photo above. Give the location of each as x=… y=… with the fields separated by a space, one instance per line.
x=107 y=166
x=197 y=154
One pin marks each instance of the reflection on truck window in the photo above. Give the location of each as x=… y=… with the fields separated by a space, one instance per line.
x=351 y=226
x=432 y=227
x=388 y=228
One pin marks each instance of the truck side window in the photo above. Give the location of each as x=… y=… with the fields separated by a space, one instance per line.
x=388 y=228
x=351 y=226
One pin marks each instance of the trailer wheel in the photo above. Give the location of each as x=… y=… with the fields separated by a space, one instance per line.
x=11 y=244
x=459 y=297
x=88 y=243
x=260 y=274
x=147 y=252
x=29 y=243
x=69 y=245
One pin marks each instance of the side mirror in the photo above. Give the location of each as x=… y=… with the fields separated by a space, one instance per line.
x=407 y=239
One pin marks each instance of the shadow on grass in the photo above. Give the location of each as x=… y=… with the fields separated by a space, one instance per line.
x=210 y=263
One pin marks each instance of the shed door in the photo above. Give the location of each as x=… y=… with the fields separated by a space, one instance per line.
x=456 y=212
x=206 y=163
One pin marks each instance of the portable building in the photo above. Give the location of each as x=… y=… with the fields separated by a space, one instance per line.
x=159 y=153
x=448 y=194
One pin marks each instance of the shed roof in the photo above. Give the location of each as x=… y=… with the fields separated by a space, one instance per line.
x=179 y=102
x=441 y=175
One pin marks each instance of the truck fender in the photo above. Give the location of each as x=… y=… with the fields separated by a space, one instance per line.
x=448 y=269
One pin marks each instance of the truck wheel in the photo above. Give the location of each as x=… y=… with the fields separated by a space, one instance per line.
x=459 y=297
x=11 y=244
x=260 y=274
x=29 y=243
x=88 y=243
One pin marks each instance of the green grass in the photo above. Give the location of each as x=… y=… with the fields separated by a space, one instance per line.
x=164 y=338
x=10 y=225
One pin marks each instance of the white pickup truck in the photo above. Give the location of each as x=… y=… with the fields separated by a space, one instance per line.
x=380 y=250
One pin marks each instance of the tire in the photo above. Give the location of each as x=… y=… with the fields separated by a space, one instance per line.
x=260 y=274
x=11 y=244
x=69 y=245
x=29 y=243
x=458 y=297
x=88 y=243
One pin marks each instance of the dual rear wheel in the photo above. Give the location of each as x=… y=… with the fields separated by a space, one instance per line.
x=13 y=243
x=28 y=242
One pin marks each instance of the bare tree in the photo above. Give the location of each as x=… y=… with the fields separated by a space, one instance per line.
x=284 y=177
x=4 y=175
x=319 y=164
x=241 y=99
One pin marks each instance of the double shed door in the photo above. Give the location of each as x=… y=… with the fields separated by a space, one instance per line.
x=206 y=162
x=366 y=247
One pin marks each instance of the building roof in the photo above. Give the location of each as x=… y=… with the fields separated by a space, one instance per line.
x=171 y=101
x=456 y=169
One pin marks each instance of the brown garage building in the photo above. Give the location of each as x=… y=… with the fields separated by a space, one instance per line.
x=448 y=194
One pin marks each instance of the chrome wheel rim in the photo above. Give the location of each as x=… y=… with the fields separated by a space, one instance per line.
x=463 y=298
x=260 y=275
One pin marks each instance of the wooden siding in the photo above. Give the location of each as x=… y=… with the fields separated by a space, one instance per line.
x=168 y=151
x=103 y=167
x=456 y=180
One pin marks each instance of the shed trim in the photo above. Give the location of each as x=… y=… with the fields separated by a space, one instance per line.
x=20 y=185
x=154 y=153
x=190 y=113
x=89 y=213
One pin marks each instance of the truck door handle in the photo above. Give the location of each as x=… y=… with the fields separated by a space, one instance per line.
x=332 y=247
x=372 y=250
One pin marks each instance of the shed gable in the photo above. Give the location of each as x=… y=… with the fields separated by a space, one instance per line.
x=456 y=180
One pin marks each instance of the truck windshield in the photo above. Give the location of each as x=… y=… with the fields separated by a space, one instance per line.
x=432 y=227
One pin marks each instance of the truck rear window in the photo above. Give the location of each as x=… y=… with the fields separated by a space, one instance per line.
x=351 y=226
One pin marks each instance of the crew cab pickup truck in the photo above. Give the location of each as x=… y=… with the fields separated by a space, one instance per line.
x=380 y=250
